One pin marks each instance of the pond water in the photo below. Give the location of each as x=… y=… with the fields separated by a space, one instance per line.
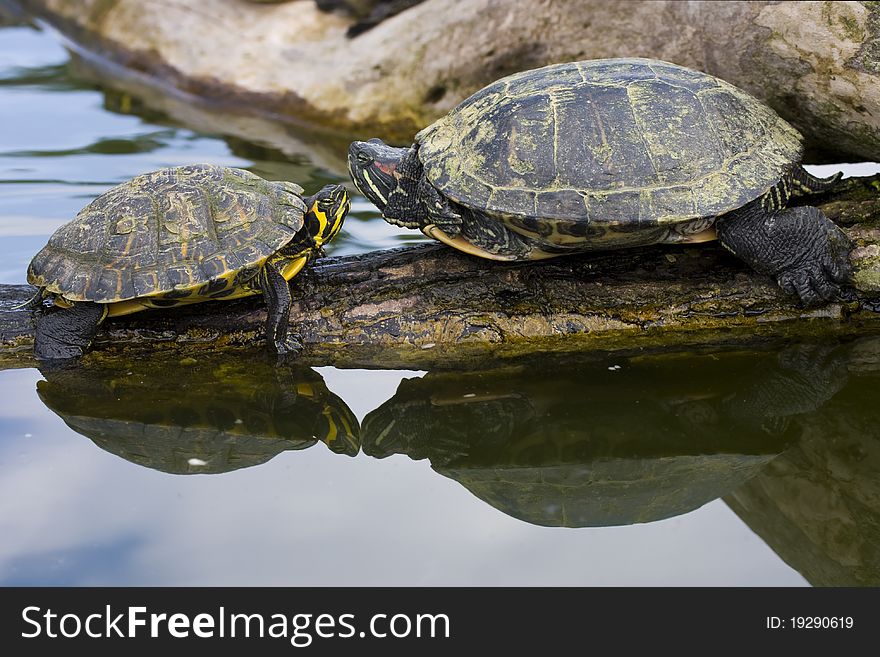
x=714 y=468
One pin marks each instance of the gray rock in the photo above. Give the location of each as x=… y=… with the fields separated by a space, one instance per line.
x=815 y=63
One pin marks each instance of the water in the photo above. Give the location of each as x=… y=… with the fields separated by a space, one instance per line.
x=724 y=468
x=61 y=147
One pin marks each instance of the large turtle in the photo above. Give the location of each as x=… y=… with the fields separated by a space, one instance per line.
x=177 y=236
x=606 y=154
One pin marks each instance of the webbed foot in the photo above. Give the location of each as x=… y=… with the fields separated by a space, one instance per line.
x=289 y=346
x=282 y=352
x=804 y=250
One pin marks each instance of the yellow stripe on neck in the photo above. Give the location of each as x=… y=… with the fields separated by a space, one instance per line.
x=322 y=223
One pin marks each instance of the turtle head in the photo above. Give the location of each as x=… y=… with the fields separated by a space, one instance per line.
x=388 y=177
x=326 y=212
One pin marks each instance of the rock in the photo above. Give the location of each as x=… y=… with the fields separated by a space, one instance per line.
x=11 y=14
x=816 y=63
x=368 y=13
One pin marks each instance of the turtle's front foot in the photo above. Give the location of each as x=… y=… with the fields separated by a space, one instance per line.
x=50 y=349
x=800 y=247
x=285 y=350
x=439 y=210
x=810 y=283
x=290 y=345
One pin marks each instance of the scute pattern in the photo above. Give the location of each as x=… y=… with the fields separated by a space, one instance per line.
x=612 y=143
x=168 y=233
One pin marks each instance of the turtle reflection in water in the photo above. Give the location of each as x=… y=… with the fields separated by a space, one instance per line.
x=818 y=505
x=221 y=415
x=591 y=444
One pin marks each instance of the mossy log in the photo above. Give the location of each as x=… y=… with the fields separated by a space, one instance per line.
x=429 y=306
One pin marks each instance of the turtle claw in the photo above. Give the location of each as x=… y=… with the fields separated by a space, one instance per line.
x=811 y=284
x=826 y=267
x=287 y=348
x=292 y=344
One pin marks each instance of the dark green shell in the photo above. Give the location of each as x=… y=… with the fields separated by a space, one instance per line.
x=616 y=141
x=172 y=229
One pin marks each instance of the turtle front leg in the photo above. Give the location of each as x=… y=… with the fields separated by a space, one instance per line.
x=67 y=333
x=276 y=292
x=800 y=247
x=439 y=210
x=470 y=231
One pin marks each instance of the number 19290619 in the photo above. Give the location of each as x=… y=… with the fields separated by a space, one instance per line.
x=810 y=623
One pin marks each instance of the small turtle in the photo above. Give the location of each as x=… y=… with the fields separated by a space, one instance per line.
x=606 y=154
x=177 y=236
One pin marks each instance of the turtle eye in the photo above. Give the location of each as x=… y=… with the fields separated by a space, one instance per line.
x=325 y=203
x=363 y=158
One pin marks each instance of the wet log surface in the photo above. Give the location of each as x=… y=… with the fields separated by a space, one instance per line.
x=428 y=306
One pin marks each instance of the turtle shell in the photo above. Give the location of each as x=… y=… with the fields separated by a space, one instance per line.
x=633 y=142
x=175 y=229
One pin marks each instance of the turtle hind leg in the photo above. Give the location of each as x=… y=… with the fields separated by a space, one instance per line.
x=804 y=182
x=800 y=247
x=67 y=333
